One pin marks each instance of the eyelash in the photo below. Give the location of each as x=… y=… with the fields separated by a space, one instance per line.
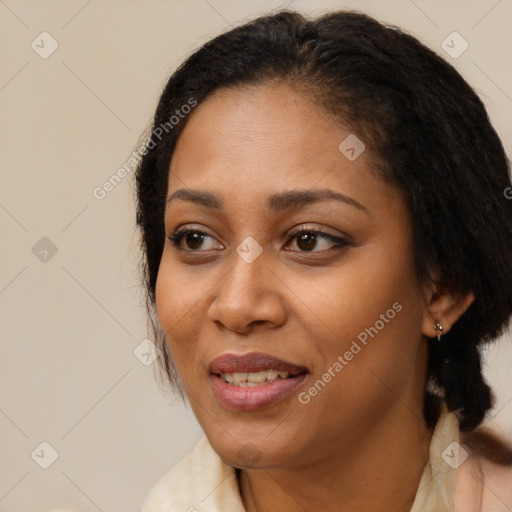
x=177 y=236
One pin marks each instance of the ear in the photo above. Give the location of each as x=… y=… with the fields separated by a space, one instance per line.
x=446 y=306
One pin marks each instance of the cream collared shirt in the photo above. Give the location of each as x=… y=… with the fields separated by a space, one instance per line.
x=453 y=480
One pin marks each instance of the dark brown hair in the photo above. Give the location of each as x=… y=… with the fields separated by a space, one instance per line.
x=430 y=137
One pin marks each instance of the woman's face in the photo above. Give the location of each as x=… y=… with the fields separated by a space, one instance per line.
x=339 y=313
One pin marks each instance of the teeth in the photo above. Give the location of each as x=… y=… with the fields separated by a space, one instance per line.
x=229 y=377
x=245 y=379
x=257 y=376
x=272 y=375
x=240 y=377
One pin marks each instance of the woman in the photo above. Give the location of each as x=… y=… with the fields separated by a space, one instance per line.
x=326 y=247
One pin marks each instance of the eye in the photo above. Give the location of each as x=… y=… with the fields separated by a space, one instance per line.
x=307 y=240
x=193 y=238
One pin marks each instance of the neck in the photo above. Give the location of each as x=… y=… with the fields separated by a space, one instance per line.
x=380 y=471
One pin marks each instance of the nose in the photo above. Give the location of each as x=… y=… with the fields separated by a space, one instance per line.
x=248 y=295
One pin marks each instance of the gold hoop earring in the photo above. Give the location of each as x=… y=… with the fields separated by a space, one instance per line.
x=439 y=329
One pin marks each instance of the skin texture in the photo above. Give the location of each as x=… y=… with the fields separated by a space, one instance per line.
x=361 y=443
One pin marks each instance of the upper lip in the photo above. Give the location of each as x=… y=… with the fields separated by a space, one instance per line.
x=252 y=362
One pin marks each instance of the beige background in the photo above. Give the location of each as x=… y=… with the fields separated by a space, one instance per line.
x=70 y=323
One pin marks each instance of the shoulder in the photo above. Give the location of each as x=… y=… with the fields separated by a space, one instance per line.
x=497 y=487
x=201 y=481
x=482 y=484
x=173 y=487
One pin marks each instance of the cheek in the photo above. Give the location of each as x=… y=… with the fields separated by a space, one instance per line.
x=179 y=292
x=352 y=296
x=168 y=307
x=368 y=311
x=178 y=305
x=367 y=354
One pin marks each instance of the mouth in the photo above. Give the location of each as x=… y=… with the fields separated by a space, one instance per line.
x=248 y=379
x=253 y=381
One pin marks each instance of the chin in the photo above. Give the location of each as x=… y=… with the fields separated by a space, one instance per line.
x=244 y=453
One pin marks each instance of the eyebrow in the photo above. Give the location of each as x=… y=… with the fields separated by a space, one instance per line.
x=280 y=202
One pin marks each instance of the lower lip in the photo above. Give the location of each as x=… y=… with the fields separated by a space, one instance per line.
x=253 y=398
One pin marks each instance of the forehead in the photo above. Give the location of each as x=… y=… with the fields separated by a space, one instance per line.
x=269 y=120
x=249 y=142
